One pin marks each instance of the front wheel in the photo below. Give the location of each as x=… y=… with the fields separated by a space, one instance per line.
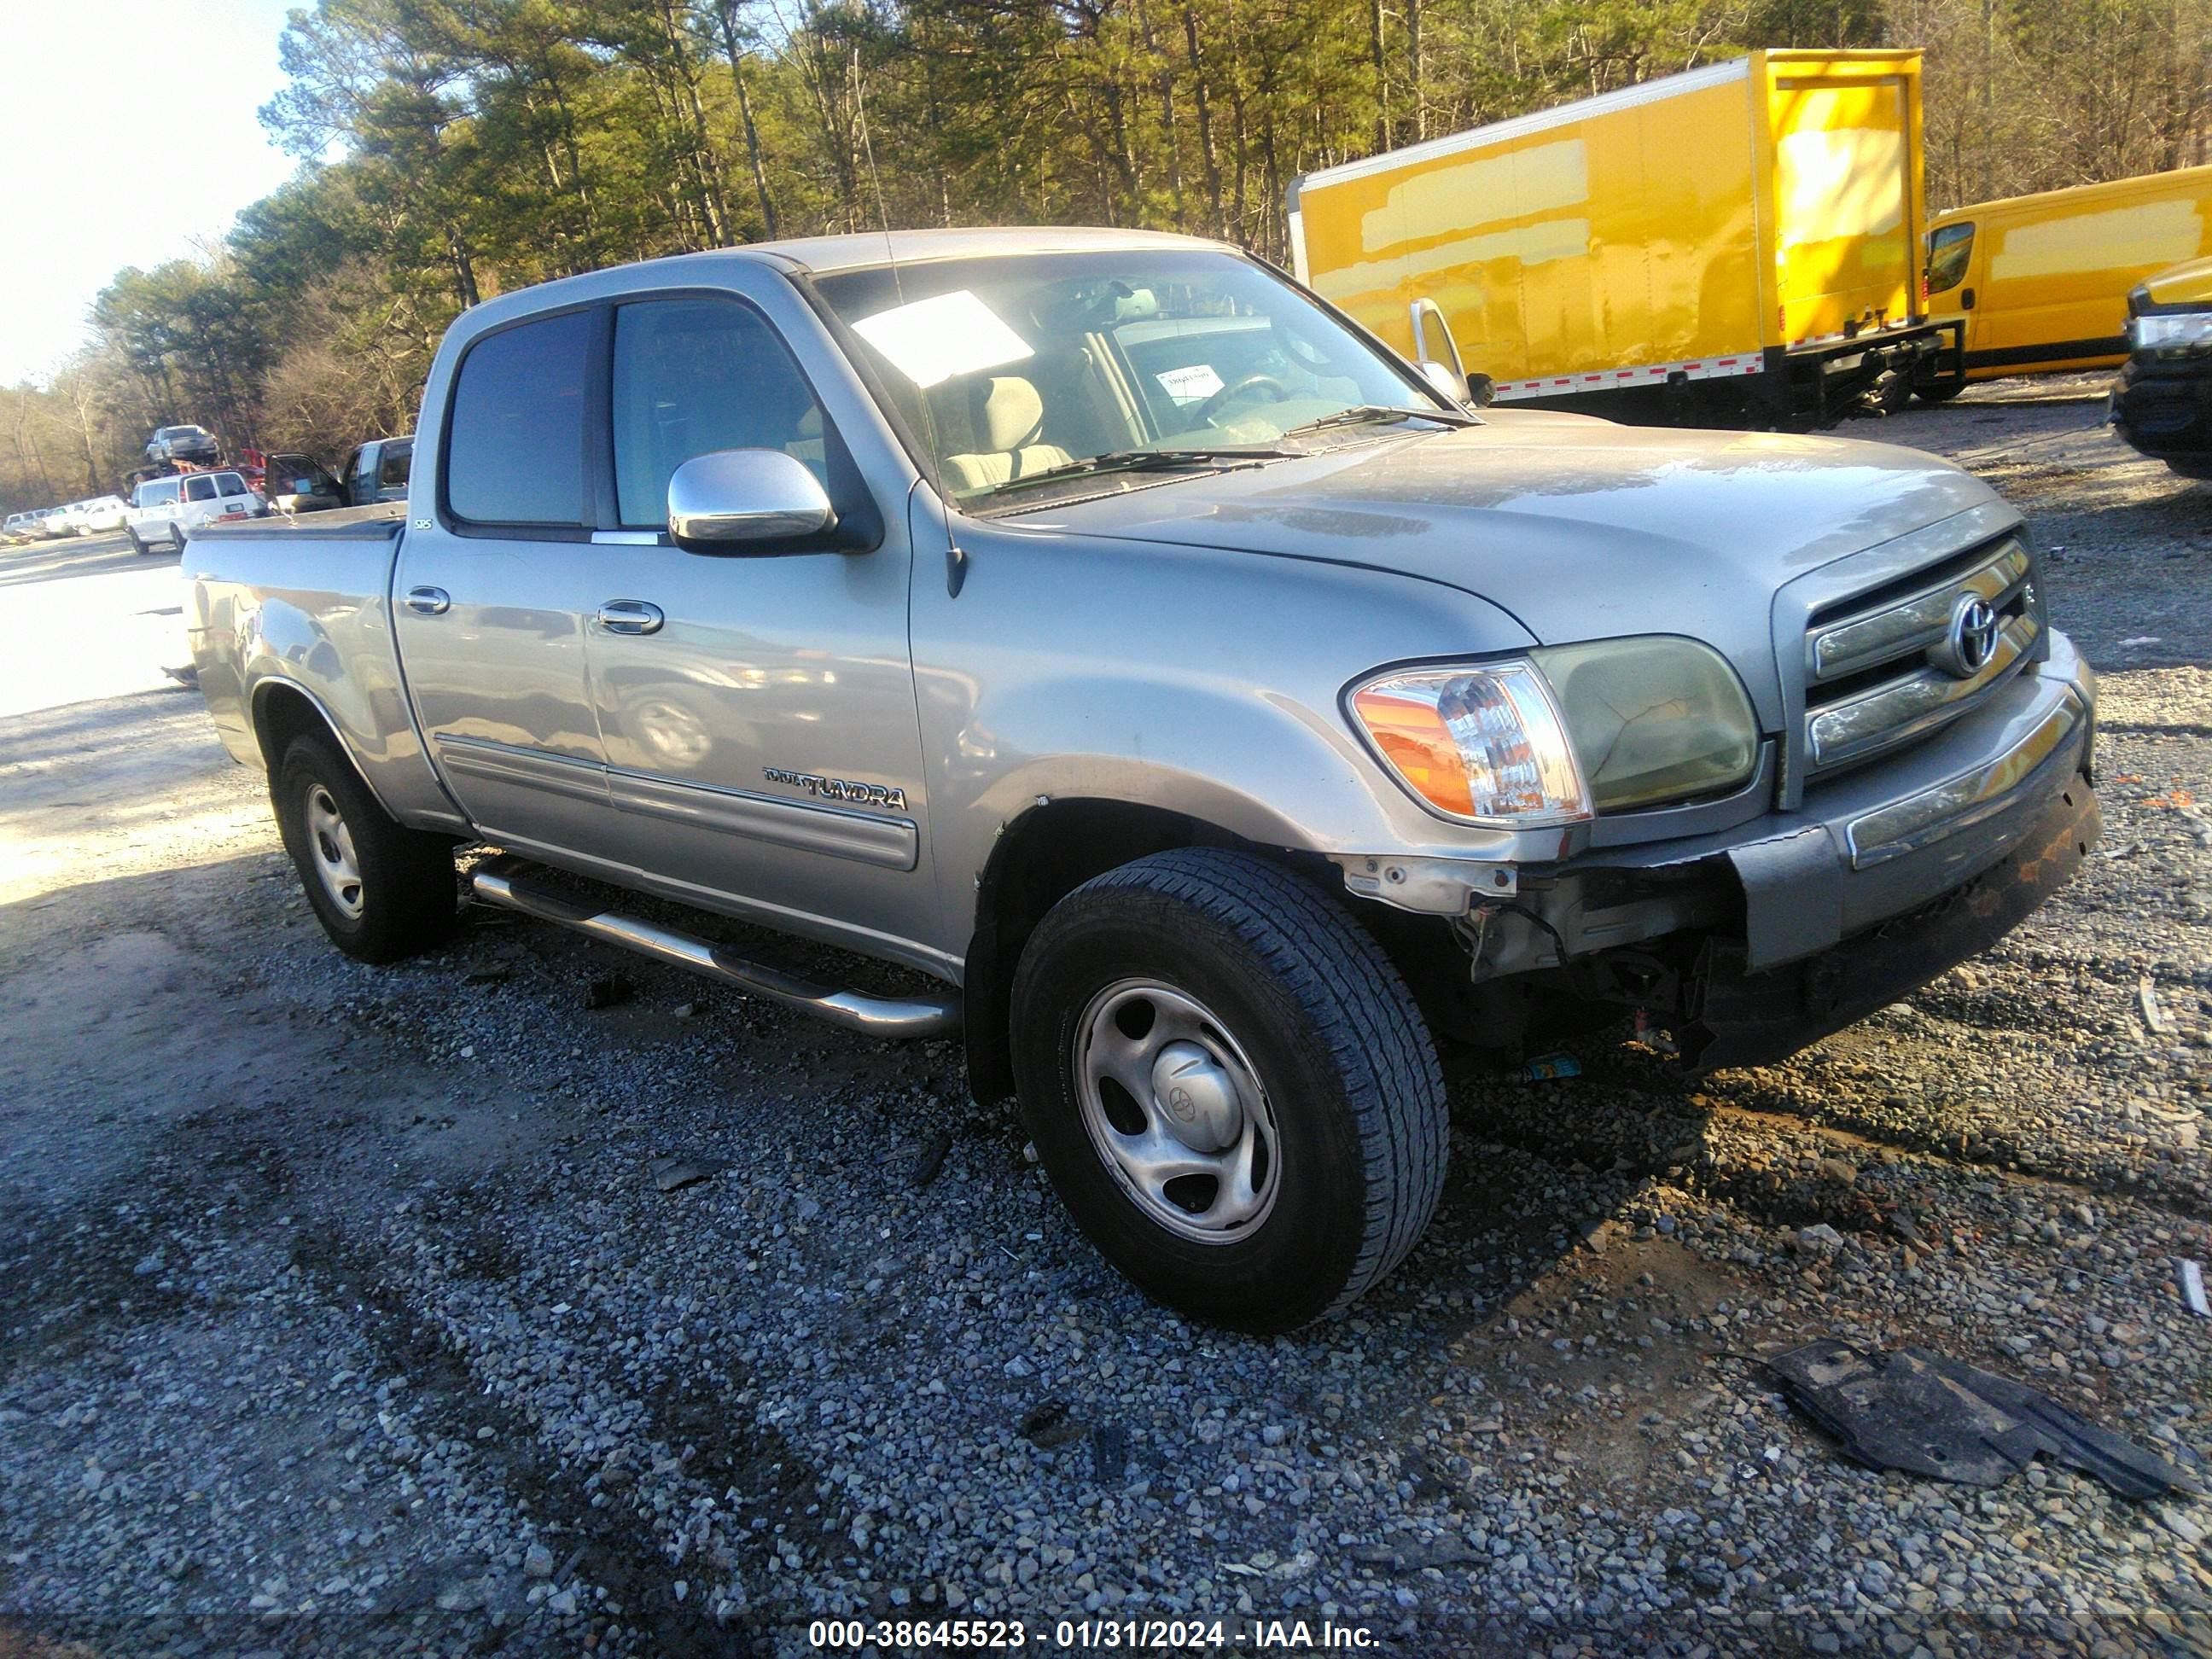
x=1230 y=1087
x=381 y=892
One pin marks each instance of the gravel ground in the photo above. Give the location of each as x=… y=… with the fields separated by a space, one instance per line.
x=341 y=1310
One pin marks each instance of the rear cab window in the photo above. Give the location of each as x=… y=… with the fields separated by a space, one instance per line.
x=514 y=426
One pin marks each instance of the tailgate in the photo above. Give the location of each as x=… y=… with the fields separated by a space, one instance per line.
x=1846 y=231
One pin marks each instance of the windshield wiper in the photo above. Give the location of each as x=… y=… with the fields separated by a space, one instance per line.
x=1150 y=460
x=1359 y=414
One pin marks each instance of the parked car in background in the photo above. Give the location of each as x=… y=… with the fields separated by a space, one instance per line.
x=21 y=526
x=1210 y=750
x=300 y=484
x=53 y=523
x=163 y=511
x=194 y=444
x=93 y=517
x=378 y=471
x=2041 y=282
x=2162 y=404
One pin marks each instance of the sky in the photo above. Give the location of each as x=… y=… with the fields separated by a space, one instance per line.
x=129 y=131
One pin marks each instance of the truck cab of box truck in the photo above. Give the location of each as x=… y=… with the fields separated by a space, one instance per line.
x=2041 y=282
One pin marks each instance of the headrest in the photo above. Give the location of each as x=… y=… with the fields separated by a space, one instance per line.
x=1009 y=413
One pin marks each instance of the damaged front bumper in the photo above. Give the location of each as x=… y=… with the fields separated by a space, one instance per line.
x=1753 y=941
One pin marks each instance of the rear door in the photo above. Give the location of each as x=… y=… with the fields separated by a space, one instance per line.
x=495 y=587
x=1846 y=251
x=763 y=748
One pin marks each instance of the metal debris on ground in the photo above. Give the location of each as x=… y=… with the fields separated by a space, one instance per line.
x=1110 y=1454
x=685 y=1171
x=1919 y=1412
x=930 y=1159
x=2189 y=1275
x=2154 y=1017
x=1546 y=1067
x=606 y=990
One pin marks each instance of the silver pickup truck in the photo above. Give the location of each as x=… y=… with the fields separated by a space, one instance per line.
x=1217 y=712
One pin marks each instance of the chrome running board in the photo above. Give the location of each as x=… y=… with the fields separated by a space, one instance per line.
x=878 y=1016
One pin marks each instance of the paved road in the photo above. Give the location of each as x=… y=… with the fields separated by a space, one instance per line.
x=86 y=618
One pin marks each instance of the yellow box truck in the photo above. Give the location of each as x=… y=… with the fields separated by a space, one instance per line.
x=1738 y=242
x=2041 y=282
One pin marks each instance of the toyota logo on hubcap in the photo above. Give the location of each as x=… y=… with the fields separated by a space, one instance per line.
x=1972 y=640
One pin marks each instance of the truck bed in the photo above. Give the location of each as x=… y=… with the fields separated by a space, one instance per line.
x=379 y=521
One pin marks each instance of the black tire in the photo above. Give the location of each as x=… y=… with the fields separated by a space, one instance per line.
x=137 y=546
x=1939 y=392
x=1354 y=1098
x=402 y=894
x=1891 y=393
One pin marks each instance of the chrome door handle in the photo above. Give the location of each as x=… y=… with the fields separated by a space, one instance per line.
x=429 y=601
x=631 y=617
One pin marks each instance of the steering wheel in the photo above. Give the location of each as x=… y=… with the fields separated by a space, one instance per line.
x=1204 y=414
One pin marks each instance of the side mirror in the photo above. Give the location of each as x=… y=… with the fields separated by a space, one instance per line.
x=1481 y=391
x=721 y=501
x=1440 y=376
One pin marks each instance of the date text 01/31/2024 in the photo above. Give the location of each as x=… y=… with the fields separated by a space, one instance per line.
x=1090 y=1635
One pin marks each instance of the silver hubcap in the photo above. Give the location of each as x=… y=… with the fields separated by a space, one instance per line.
x=1176 y=1111
x=331 y=845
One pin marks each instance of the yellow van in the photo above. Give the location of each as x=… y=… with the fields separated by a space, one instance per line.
x=2162 y=404
x=2042 y=281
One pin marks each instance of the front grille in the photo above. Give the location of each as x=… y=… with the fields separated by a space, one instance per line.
x=1888 y=668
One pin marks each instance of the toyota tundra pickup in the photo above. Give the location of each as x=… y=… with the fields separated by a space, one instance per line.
x=1217 y=712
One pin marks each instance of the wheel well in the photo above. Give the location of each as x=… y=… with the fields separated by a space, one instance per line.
x=1039 y=859
x=280 y=715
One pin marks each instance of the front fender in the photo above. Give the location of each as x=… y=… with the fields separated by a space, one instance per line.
x=1199 y=682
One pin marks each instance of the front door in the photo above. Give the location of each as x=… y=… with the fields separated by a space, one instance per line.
x=764 y=750
x=494 y=594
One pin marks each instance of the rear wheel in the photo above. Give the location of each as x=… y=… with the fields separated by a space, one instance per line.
x=1230 y=1086
x=382 y=891
x=1939 y=392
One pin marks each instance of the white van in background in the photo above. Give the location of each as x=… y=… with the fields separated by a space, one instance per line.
x=162 y=511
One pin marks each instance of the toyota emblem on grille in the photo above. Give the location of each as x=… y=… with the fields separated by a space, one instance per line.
x=1972 y=640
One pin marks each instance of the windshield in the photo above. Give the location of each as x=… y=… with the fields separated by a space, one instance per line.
x=1013 y=366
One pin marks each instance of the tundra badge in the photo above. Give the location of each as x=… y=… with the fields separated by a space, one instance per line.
x=858 y=794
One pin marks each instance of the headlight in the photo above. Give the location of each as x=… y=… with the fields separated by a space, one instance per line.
x=1653 y=719
x=1568 y=731
x=1478 y=743
x=2171 y=333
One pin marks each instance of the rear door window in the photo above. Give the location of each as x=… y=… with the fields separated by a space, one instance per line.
x=514 y=445
x=230 y=483
x=201 y=489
